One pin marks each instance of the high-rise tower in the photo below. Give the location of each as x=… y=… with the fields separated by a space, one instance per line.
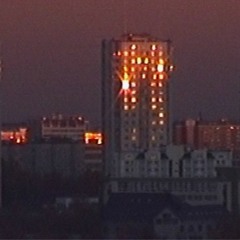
x=135 y=107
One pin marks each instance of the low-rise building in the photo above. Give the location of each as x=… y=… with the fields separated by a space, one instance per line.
x=159 y=215
x=59 y=126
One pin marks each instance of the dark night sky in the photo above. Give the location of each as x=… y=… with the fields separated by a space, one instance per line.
x=51 y=53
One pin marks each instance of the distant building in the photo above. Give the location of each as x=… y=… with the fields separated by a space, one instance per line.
x=93 y=148
x=159 y=216
x=174 y=162
x=57 y=155
x=195 y=191
x=135 y=99
x=14 y=133
x=203 y=163
x=222 y=134
x=59 y=126
x=64 y=158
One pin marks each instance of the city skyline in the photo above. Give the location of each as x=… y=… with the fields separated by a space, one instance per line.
x=51 y=54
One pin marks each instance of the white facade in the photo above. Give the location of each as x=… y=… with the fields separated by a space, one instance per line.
x=58 y=126
x=203 y=163
x=173 y=161
x=195 y=191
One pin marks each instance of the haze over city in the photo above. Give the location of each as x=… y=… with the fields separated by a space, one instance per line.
x=51 y=53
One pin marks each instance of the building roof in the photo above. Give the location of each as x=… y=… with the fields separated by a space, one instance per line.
x=144 y=207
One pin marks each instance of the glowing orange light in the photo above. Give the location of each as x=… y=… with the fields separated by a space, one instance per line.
x=160 y=67
x=171 y=68
x=154 y=106
x=93 y=137
x=153 y=47
x=133 y=84
x=125 y=84
x=161 y=76
x=133 y=47
x=16 y=136
x=133 y=99
x=139 y=60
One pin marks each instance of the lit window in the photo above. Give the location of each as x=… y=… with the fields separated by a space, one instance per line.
x=125 y=76
x=133 y=61
x=153 y=84
x=133 y=84
x=134 y=130
x=133 y=107
x=153 y=122
x=153 y=92
x=125 y=53
x=160 y=53
x=153 y=99
x=133 y=92
x=125 y=99
x=154 y=76
x=153 y=69
x=125 y=68
x=143 y=75
x=152 y=54
x=160 y=99
x=133 y=46
x=161 y=122
x=119 y=53
x=146 y=60
x=133 y=69
x=160 y=84
x=125 y=84
x=125 y=107
x=154 y=106
x=153 y=47
x=161 y=76
x=145 y=68
x=153 y=138
x=133 y=138
x=133 y=99
x=160 y=67
x=139 y=60
x=161 y=114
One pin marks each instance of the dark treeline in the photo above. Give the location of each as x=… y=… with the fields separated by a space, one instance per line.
x=29 y=208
